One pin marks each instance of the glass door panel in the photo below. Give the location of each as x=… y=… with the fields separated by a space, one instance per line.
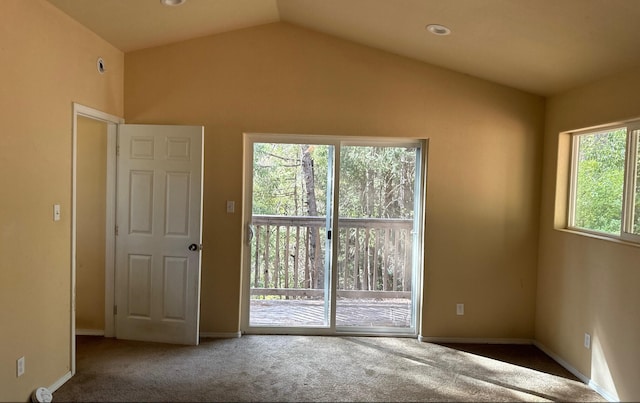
x=289 y=273
x=376 y=228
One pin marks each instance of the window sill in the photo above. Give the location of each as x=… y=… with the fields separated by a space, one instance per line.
x=599 y=237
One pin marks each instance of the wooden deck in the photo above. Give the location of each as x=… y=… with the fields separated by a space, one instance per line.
x=393 y=313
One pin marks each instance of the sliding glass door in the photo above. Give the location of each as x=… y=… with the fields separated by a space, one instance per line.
x=306 y=272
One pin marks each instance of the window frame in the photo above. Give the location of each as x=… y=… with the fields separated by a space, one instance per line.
x=630 y=179
x=629 y=183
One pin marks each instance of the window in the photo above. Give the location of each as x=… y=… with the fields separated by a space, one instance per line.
x=605 y=190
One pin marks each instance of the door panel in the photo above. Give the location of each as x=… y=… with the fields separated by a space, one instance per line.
x=289 y=276
x=177 y=202
x=377 y=210
x=139 y=286
x=159 y=203
x=140 y=209
x=175 y=288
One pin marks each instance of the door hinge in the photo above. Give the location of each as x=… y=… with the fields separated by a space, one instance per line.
x=117 y=150
x=116 y=230
x=115 y=309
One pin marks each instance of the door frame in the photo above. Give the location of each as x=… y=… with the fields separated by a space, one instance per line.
x=420 y=217
x=112 y=130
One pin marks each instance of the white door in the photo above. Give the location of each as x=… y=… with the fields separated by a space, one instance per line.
x=159 y=204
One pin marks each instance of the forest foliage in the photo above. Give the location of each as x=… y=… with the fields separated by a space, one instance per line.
x=374 y=181
x=297 y=180
x=600 y=182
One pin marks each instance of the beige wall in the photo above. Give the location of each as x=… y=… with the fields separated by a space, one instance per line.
x=587 y=284
x=91 y=196
x=483 y=184
x=484 y=162
x=47 y=61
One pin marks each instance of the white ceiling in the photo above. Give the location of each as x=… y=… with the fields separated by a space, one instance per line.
x=540 y=46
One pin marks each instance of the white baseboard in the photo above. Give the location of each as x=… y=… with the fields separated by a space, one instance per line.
x=612 y=397
x=56 y=385
x=562 y=362
x=473 y=340
x=89 y=332
x=230 y=335
x=99 y=332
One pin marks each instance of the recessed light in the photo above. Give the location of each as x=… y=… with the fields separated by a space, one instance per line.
x=172 y=3
x=438 y=29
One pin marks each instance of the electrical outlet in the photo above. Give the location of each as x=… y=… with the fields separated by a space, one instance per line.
x=20 y=366
x=459 y=309
x=587 y=341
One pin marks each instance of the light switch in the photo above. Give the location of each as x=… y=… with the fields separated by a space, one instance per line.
x=56 y=212
x=231 y=206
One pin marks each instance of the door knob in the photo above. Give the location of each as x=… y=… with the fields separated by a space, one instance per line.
x=193 y=247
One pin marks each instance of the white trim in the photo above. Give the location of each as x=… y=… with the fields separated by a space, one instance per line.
x=420 y=247
x=86 y=111
x=573 y=172
x=600 y=237
x=346 y=140
x=246 y=231
x=81 y=110
x=631 y=174
x=89 y=332
x=110 y=224
x=74 y=164
x=332 y=288
x=562 y=362
x=215 y=335
x=474 y=340
x=331 y=332
x=612 y=397
x=201 y=226
x=57 y=384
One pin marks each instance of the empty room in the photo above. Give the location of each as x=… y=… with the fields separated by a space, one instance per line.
x=311 y=200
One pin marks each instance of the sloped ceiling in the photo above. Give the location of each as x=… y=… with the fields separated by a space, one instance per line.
x=539 y=46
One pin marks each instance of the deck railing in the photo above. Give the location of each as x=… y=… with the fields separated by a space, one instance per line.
x=289 y=255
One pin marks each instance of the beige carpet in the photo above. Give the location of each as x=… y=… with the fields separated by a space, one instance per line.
x=314 y=368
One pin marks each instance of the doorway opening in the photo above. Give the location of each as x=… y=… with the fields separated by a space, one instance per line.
x=334 y=234
x=93 y=132
x=91 y=233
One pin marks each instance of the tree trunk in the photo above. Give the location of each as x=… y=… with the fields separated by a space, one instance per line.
x=317 y=267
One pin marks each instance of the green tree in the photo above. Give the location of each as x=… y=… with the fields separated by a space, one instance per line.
x=377 y=182
x=600 y=181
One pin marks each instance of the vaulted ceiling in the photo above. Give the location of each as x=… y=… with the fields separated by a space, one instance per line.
x=539 y=46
